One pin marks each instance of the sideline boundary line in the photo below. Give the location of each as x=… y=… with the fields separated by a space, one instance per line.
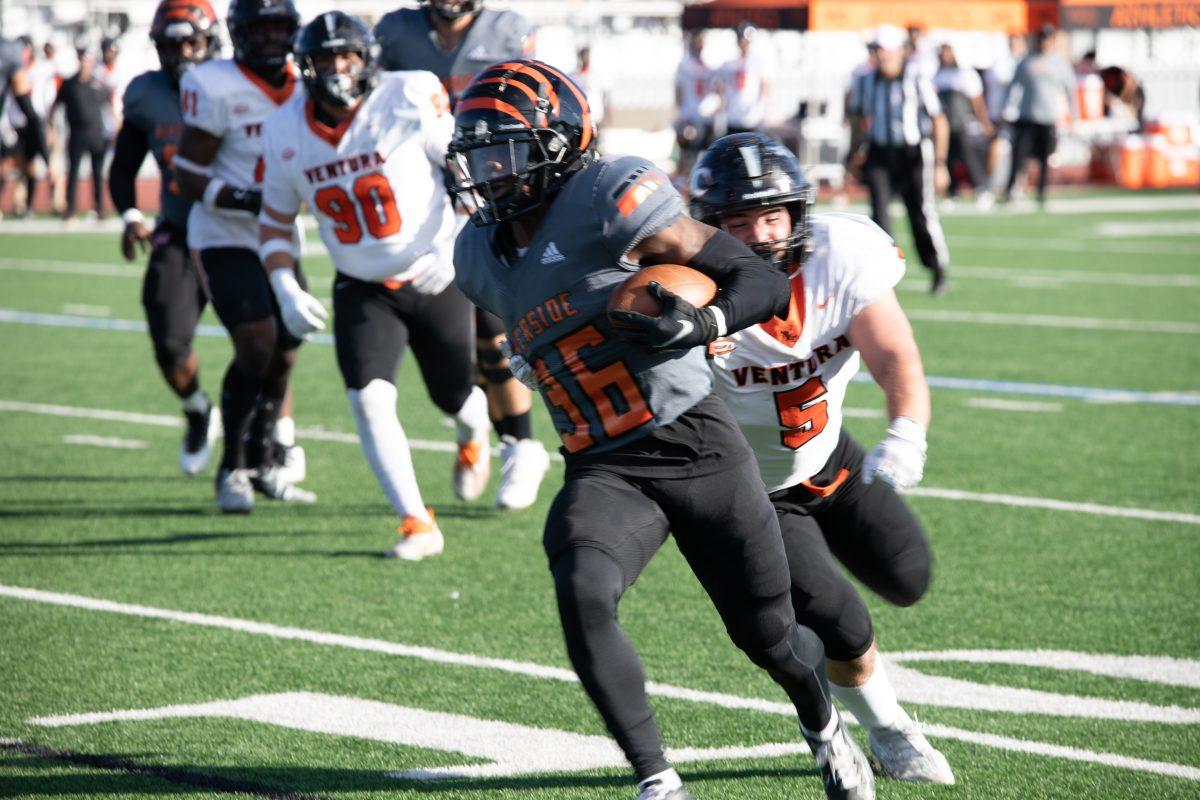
x=164 y=421
x=529 y=669
x=1089 y=393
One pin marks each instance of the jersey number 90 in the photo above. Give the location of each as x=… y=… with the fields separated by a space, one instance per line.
x=375 y=198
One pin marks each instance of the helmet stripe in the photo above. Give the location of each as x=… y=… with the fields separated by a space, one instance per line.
x=489 y=104
x=524 y=68
x=586 y=138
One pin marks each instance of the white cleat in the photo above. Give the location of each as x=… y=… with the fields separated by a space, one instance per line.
x=666 y=785
x=845 y=771
x=472 y=467
x=273 y=482
x=902 y=752
x=523 y=464
x=235 y=495
x=201 y=430
x=292 y=461
x=421 y=539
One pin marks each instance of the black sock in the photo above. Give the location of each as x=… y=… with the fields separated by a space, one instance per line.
x=239 y=394
x=260 y=451
x=503 y=426
x=519 y=426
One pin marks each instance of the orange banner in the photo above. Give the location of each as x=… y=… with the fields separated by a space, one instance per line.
x=966 y=15
x=1130 y=14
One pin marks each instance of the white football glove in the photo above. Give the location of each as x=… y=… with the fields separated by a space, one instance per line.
x=434 y=278
x=302 y=313
x=521 y=369
x=899 y=460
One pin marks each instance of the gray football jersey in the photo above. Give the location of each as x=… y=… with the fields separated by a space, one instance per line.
x=10 y=63
x=601 y=391
x=407 y=40
x=152 y=106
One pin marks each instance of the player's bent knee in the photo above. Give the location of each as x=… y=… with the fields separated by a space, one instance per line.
x=798 y=644
x=492 y=364
x=909 y=575
x=376 y=398
x=172 y=354
x=587 y=583
x=450 y=400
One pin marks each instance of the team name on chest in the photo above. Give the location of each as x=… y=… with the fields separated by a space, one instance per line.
x=794 y=371
x=541 y=318
x=343 y=167
x=252 y=130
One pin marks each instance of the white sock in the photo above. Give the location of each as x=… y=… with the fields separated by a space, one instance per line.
x=826 y=733
x=874 y=703
x=285 y=431
x=197 y=401
x=386 y=447
x=669 y=779
x=471 y=421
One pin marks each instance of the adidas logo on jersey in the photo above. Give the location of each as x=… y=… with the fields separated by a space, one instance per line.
x=480 y=53
x=552 y=255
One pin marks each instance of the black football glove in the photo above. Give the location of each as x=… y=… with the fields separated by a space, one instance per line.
x=680 y=326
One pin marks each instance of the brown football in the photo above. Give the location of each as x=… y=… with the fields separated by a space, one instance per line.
x=634 y=292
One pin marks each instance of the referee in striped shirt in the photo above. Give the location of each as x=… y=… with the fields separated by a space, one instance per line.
x=897 y=109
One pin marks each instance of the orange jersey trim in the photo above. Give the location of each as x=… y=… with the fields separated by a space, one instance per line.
x=278 y=95
x=330 y=135
x=828 y=489
x=788 y=330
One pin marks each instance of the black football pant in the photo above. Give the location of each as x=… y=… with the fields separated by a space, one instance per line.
x=372 y=324
x=869 y=529
x=908 y=171
x=77 y=148
x=602 y=530
x=1032 y=140
x=256 y=380
x=172 y=297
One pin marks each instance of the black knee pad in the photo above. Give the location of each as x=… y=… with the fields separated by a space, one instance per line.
x=493 y=365
x=798 y=647
x=840 y=618
x=762 y=626
x=909 y=576
x=588 y=584
x=450 y=400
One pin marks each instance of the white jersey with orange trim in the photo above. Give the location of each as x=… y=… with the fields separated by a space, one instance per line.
x=374 y=182
x=785 y=380
x=227 y=100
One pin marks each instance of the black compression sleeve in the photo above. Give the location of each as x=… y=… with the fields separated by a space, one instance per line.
x=128 y=154
x=36 y=134
x=751 y=290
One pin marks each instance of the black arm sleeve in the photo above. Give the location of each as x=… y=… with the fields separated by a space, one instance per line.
x=37 y=136
x=751 y=290
x=128 y=154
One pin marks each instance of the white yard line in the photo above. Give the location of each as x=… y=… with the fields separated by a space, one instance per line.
x=532 y=670
x=86 y=310
x=999 y=404
x=1139 y=230
x=448 y=447
x=1053 y=321
x=106 y=441
x=94 y=269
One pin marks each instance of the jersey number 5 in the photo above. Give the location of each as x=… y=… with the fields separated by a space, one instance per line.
x=378 y=203
x=799 y=415
x=602 y=387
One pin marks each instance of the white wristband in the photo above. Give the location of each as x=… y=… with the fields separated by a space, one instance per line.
x=909 y=430
x=215 y=185
x=131 y=216
x=719 y=317
x=179 y=162
x=272 y=246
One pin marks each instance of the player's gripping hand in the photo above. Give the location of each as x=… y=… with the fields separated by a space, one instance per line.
x=302 y=313
x=521 y=369
x=135 y=236
x=680 y=326
x=899 y=460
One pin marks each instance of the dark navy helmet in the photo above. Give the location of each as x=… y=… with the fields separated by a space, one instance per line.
x=330 y=34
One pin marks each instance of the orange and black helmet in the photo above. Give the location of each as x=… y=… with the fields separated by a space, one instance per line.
x=521 y=128
x=176 y=21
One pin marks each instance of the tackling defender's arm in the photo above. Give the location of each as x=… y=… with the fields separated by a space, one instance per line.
x=882 y=334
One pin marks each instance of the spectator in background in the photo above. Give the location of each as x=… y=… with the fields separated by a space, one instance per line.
x=899 y=112
x=996 y=80
x=921 y=54
x=1041 y=78
x=960 y=92
x=84 y=97
x=693 y=109
x=106 y=71
x=1123 y=94
x=856 y=154
x=18 y=139
x=586 y=80
x=743 y=84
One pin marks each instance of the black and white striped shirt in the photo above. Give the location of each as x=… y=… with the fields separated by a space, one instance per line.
x=900 y=110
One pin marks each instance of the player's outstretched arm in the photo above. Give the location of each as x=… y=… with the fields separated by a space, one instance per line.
x=301 y=312
x=883 y=336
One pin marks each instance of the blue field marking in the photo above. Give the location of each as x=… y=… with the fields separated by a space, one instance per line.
x=1088 y=393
